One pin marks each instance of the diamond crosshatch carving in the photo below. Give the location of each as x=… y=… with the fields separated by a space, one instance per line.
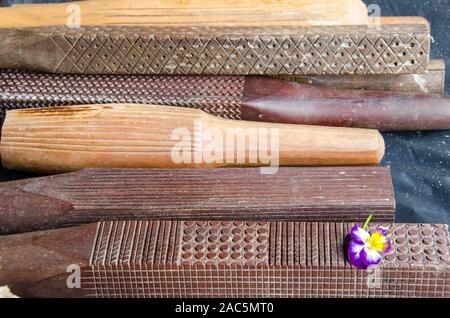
x=136 y=52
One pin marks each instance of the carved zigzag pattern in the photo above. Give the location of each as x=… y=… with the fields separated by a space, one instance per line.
x=105 y=53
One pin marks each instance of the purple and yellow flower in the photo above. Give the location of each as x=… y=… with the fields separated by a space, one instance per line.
x=366 y=248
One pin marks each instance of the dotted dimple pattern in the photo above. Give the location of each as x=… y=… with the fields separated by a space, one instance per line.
x=418 y=244
x=225 y=242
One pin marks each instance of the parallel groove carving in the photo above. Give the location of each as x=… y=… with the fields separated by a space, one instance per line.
x=301 y=194
x=127 y=243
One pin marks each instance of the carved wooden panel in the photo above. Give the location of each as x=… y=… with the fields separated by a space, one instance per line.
x=394 y=49
x=261 y=259
x=222 y=259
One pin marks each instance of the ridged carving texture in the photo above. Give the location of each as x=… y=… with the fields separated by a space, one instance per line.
x=219 y=96
x=261 y=259
x=253 y=243
x=346 y=194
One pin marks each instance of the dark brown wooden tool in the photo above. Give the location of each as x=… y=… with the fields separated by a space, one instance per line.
x=212 y=37
x=432 y=82
x=235 y=97
x=325 y=194
x=350 y=108
x=221 y=259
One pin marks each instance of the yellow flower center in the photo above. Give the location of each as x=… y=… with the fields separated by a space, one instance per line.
x=377 y=242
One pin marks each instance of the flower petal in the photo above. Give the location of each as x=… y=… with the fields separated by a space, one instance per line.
x=355 y=248
x=387 y=248
x=359 y=235
x=354 y=254
x=382 y=230
x=370 y=257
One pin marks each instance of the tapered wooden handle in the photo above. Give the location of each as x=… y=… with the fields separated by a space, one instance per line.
x=61 y=139
x=277 y=101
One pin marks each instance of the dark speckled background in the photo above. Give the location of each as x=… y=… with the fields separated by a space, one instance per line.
x=420 y=161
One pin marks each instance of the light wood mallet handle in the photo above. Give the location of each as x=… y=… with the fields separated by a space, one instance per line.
x=62 y=139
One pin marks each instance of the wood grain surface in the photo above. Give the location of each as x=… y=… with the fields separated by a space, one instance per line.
x=308 y=194
x=61 y=139
x=190 y=13
x=432 y=82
